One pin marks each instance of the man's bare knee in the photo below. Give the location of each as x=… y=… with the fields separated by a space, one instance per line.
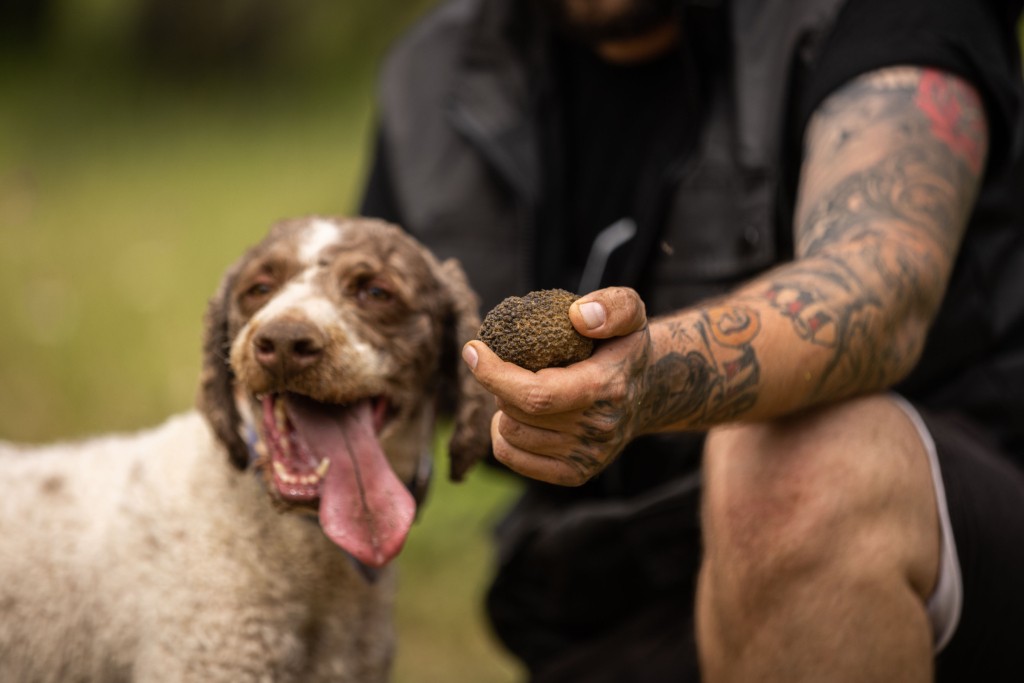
x=768 y=499
x=795 y=495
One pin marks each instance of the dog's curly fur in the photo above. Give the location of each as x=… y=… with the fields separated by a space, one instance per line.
x=161 y=556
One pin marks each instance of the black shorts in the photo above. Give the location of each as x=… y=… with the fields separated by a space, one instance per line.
x=984 y=495
x=639 y=627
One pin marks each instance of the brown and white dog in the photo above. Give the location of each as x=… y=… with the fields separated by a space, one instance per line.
x=159 y=556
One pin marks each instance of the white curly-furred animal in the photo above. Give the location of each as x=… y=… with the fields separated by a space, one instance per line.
x=251 y=539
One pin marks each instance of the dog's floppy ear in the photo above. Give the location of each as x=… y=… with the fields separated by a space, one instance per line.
x=473 y=405
x=216 y=398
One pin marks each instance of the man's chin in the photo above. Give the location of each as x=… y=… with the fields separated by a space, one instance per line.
x=594 y=22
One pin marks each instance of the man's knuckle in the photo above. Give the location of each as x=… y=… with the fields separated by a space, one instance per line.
x=538 y=400
x=601 y=433
x=502 y=452
x=616 y=392
x=573 y=476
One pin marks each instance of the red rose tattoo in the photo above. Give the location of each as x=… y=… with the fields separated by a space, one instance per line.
x=953 y=109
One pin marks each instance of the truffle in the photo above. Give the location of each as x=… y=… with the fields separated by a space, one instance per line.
x=534 y=331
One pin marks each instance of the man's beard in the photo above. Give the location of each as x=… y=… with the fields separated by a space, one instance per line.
x=601 y=21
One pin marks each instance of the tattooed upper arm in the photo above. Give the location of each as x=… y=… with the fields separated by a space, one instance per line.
x=902 y=144
x=892 y=166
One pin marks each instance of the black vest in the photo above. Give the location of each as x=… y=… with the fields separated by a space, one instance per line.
x=457 y=98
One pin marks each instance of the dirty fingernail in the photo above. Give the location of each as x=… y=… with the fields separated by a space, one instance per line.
x=593 y=314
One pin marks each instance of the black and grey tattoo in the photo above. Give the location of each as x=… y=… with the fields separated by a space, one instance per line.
x=716 y=378
x=878 y=245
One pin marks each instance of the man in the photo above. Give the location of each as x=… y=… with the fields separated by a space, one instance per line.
x=821 y=203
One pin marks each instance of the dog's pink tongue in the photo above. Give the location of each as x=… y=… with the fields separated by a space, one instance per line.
x=364 y=508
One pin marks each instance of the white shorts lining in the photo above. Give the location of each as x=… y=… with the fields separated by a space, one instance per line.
x=946 y=601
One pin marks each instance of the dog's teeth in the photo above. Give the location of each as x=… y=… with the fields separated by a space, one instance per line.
x=283 y=474
x=321 y=469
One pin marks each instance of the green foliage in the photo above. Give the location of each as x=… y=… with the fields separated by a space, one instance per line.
x=443 y=634
x=125 y=191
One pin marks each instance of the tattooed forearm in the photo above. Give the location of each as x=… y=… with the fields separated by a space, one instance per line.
x=842 y=319
x=851 y=304
x=892 y=166
x=714 y=376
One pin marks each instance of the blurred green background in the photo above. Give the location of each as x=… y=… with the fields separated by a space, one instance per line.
x=143 y=145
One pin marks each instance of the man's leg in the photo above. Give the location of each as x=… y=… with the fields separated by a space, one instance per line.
x=821 y=548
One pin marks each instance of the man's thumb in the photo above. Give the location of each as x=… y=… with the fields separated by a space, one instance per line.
x=610 y=312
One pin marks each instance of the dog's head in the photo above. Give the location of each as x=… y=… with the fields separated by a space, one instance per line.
x=328 y=347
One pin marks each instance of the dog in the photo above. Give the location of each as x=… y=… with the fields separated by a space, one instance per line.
x=252 y=539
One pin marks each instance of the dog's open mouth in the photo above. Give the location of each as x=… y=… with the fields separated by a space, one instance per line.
x=331 y=453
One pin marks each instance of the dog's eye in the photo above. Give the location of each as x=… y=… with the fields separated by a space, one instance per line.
x=373 y=291
x=256 y=294
x=259 y=289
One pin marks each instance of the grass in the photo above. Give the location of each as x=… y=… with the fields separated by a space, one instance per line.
x=123 y=197
x=445 y=563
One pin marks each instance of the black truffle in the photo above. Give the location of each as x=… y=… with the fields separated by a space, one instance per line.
x=534 y=331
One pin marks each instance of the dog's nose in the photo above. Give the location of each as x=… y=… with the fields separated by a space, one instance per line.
x=286 y=347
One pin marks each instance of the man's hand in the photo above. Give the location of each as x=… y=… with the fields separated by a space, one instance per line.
x=564 y=425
